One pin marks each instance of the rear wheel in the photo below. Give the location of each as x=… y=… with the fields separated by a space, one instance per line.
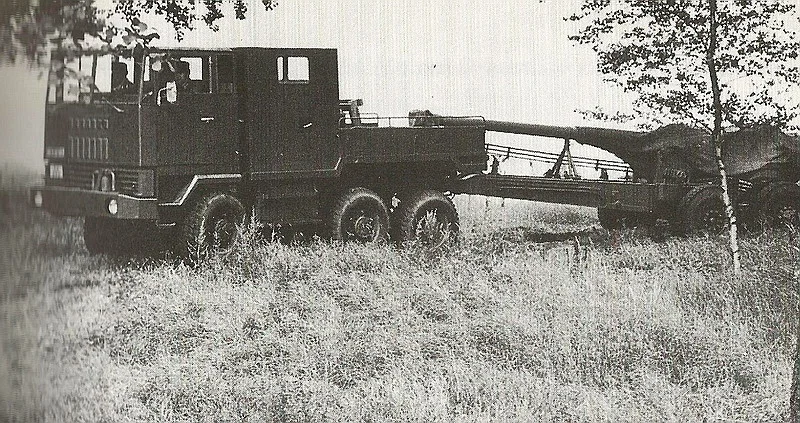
x=359 y=214
x=427 y=217
x=703 y=211
x=211 y=227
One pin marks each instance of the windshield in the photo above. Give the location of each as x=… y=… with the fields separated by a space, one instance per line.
x=91 y=77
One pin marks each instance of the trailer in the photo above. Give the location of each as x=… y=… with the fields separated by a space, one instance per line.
x=196 y=142
x=670 y=174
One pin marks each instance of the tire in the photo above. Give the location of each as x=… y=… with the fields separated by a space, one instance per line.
x=702 y=211
x=428 y=218
x=779 y=205
x=359 y=214
x=211 y=227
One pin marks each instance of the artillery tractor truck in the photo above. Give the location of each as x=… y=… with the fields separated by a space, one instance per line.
x=195 y=142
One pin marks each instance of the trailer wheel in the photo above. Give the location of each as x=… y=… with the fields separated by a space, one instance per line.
x=703 y=211
x=427 y=217
x=211 y=227
x=359 y=214
x=779 y=205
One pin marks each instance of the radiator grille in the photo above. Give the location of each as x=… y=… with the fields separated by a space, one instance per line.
x=88 y=148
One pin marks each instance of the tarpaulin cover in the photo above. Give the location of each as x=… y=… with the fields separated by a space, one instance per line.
x=689 y=149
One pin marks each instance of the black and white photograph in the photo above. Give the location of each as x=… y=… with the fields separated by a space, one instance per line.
x=399 y=211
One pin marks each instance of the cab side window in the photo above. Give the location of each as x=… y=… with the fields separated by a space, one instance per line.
x=193 y=74
x=293 y=69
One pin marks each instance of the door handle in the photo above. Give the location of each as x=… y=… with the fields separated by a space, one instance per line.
x=206 y=119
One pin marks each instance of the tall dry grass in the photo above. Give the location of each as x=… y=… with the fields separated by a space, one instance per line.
x=536 y=315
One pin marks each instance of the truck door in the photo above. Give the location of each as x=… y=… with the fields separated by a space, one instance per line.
x=292 y=112
x=198 y=131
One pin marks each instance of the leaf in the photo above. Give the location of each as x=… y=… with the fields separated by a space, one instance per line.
x=656 y=50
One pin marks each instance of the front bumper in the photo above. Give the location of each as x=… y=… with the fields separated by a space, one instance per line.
x=64 y=201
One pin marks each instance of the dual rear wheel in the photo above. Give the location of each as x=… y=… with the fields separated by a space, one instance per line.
x=777 y=206
x=426 y=217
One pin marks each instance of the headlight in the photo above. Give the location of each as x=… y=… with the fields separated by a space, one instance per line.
x=56 y=171
x=112 y=206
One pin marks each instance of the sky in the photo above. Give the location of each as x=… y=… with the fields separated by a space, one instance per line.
x=504 y=60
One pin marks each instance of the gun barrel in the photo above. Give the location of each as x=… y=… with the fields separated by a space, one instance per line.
x=627 y=145
x=578 y=133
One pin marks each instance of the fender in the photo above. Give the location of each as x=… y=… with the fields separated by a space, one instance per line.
x=202 y=180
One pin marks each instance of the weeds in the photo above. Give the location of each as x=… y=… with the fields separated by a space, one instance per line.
x=553 y=320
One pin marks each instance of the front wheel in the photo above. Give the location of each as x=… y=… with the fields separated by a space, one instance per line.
x=427 y=217
x=359 y=214
x=211 y=227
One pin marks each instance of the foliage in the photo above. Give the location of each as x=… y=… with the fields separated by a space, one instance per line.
x=27 y=27
x=657 y=50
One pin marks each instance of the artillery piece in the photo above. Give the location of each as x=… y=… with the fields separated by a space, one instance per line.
x=673 y=176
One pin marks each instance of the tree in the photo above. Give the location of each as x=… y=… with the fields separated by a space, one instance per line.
x=27 y=27
x=699 y=63
x=716 y=132
x=658 y=51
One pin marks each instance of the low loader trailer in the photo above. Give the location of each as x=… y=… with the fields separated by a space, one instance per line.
x=196 y=141
x=670 y=175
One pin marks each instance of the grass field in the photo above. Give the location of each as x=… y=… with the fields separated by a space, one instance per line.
x=537 y=315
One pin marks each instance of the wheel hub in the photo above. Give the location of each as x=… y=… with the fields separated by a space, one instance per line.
x=432 y=229
x=222 y=234
x=713 y=220
x=364 y=226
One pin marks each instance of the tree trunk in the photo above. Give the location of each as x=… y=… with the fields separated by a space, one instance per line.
x=717 y=137
x=794 y=400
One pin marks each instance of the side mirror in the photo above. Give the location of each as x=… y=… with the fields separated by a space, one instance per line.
x=171 y=93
